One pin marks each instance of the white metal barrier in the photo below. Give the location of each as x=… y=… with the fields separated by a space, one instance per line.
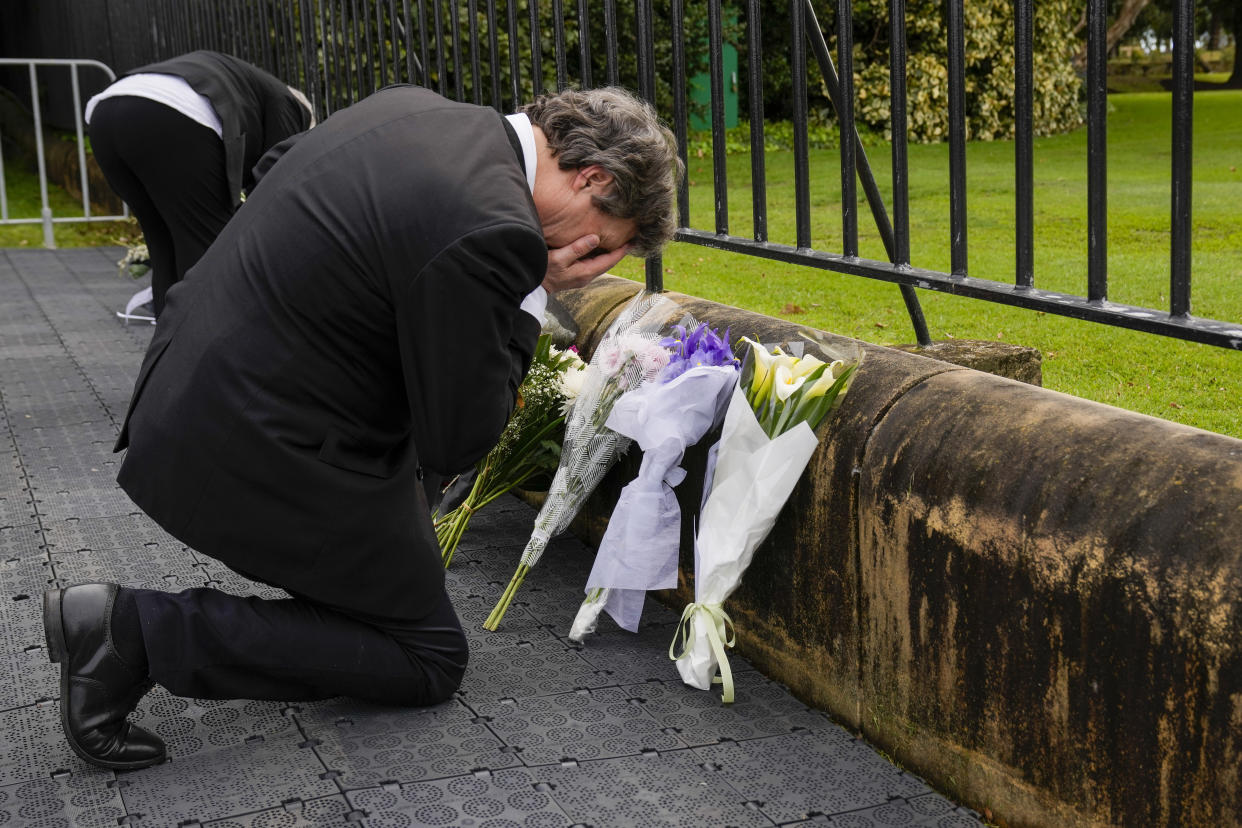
x=46 y=218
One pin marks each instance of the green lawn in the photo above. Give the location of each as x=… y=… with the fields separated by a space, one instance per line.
x=22 y=193
x=1185 y=382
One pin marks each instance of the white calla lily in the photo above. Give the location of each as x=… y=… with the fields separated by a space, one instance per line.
x=785 y=383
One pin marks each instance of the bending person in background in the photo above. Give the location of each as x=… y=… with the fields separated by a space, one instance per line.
x=177 y=141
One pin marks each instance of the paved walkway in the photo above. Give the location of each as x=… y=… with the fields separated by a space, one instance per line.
x=541 y=734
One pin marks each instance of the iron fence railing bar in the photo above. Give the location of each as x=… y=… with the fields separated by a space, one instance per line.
x=183 y=23
x=720 y=169
x=252 y=48
x=1208 y=331
x=345 y=68
x=406 y=42
x=367 y=53
x=957 y=138
x=202 y=36
x=1023 y=105
x=211 y=24
x=230 y=28
x=493 y=45
x=645 y=51
x=644 y=21
x=1097 y=150
x=285 y=46
x=584 y=43
x=310 y=61
x=875 y=201
x=324 y=104
x=558 y=43
x=424 y=45
x=168 y=30
x=476 y=62
x=221 y=24
x=441 y=65
x=677 y=24
x=897 y=110
x=536 y=49
x=331 y=56
x=1183 y=132
x=758 y=176
x=184 y=32
x=455 y=35
x=610 y=42
x=206 y=34
x=515 y=78
x=797 y=68
x=381 y=44
x=845 y=116
x=265 y=42
x=192 y=30
x=394 y=42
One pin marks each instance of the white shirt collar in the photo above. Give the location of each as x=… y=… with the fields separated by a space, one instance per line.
x=526 y=135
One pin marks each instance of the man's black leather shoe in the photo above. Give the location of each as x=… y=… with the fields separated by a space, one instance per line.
x=98 y=689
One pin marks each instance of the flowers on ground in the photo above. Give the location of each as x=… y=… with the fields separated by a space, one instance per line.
x=137 y=262
x=766 y=442
x=639 y=549
x=628 y=356
x=530 y=444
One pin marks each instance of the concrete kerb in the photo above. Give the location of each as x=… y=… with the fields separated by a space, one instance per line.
x=1032 y=600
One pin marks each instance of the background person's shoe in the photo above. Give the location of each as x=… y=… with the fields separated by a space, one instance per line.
x=98 y=688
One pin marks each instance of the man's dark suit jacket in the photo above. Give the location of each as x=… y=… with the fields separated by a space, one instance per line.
x=357 y=316
x=256 y=110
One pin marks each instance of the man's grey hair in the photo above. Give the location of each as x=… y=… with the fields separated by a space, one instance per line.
x=623 y=135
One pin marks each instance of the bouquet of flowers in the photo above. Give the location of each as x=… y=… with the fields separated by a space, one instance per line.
x=529 y=446
x=766 y=442
x=628 y=356
x=639 y=549
x=137 y=262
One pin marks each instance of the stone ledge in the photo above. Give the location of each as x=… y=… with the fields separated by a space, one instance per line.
x=1033 y=600
x=1000 y=358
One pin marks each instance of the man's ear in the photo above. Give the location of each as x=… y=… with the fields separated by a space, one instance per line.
x=593 y=176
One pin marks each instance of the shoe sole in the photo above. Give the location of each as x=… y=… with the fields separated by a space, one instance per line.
x=57 y=650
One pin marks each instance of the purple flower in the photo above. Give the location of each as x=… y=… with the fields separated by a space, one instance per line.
x=691 y=349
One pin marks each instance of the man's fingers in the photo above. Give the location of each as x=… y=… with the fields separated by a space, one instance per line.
x=571 y=267
x=584 y=245
x=603 y=262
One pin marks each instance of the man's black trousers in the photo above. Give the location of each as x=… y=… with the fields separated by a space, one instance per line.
x=206 y=644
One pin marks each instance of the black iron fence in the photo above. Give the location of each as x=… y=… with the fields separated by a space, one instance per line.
x=501 y=52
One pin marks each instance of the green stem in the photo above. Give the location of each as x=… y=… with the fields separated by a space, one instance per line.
x=502 y=606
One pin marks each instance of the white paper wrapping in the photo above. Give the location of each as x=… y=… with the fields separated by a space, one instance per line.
x=639 y=549
x=753 y=477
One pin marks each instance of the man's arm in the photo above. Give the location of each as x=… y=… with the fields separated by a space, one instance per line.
x=466 y=344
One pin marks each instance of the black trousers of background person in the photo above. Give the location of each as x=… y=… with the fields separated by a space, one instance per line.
x=206 y=644
x=170 y=170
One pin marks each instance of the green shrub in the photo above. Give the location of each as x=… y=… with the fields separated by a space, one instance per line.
x=989 y=70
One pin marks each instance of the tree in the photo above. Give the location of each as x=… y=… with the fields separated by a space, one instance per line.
x=1123 y=20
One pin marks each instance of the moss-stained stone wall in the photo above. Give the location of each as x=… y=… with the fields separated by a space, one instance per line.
x=1032 y=600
